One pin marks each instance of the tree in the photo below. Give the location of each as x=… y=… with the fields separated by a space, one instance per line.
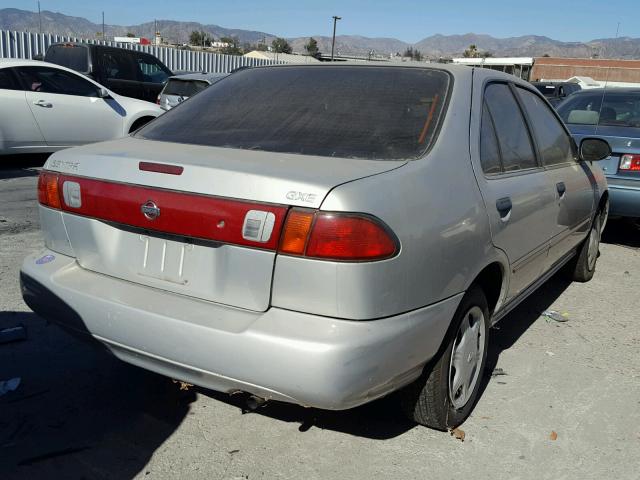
x=413 y=54
x=471 y=52
x=131 y=35
x=408 y=52
x=280 y=45
x=232 y=47
x=312 y=47
x=199 y=38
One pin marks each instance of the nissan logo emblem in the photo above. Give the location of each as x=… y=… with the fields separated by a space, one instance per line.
x=150 y=210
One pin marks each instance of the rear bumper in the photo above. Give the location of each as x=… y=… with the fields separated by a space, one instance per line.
x=278 y=354
x=624 y=200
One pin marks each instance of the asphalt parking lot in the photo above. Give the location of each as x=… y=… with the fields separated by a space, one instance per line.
x=563 y=403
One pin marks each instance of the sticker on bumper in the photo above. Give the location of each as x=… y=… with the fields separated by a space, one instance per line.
x=45 y=259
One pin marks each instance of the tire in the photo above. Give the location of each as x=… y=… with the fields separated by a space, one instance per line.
x=583 y=266
x=430 y=401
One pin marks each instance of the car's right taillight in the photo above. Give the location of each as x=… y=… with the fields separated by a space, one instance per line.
x=630 y=163
x=337 y=236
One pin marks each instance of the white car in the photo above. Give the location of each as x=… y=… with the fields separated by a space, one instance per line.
x=46 y=107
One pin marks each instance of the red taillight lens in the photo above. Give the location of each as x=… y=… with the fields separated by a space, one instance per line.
x=630 y=163
x=48 y=190
x=337 y=236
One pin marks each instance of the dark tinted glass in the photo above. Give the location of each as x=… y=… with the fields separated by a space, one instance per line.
x=621 y=109
x=337 y=111
x=151 y=70
x=118 y=64
x=547 y=89
x=7 y=81
x=489 y=152
x=184 y=88
x=553 y=142
x=513 y=136
x=52 y=80
x=75 y=57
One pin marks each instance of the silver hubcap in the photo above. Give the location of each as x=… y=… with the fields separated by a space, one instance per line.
x=594 y=244
x=466 y=357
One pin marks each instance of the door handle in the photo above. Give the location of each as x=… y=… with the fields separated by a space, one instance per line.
x=44 y=104
x=504 y=206
x=561 y=188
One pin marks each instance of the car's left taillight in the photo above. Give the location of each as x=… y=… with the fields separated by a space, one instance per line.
x=337 y=236
x=49 y=190
x=630 y=163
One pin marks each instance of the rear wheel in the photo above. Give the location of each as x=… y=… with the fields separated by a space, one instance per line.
x=582 y=268
x=443 y=397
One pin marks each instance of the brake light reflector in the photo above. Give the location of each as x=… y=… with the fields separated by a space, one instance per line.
x=48 y=191
x=337 y=236
x=630 y=162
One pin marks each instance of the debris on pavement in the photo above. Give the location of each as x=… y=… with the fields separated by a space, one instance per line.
x=10 y=385
x=457 y=433
x=551 y=354
x=554 y=315
x=553 y=435
x=183 y=385
x=13 y=334
x=498 y=372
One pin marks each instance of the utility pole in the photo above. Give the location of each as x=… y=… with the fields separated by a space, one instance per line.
x=103 y=39
x=39 y=17
x=333 y=42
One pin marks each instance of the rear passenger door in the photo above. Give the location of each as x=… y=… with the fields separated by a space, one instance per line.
x=515 y=188
x=119 y=72
x=574 y=192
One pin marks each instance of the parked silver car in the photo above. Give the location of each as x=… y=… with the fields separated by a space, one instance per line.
x=180 y=87
x=324 y=236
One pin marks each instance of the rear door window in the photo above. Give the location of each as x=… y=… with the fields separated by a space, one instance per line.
x=75 y=57
x=7 y=80
x=118 y=64
x=376 y=113
x=554 y=144
x=511 y=129
x=489 y=150
x=53 y=80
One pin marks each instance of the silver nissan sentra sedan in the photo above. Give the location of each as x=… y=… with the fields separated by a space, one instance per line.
x=321 y=235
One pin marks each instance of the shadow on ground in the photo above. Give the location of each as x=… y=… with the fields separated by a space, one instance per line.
x=623 y=232
x=382 y=419
x=79 y=412
x=16 y=166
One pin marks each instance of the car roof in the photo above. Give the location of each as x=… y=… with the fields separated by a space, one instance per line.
x=610 y=90
x=18 y=62
x=199 y=76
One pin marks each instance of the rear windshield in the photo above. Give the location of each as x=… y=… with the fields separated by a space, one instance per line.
x=621 y=109
x=376 y=113
x=184 y=88
x=75 y=57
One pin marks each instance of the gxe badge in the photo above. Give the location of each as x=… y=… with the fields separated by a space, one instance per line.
x=150 y=210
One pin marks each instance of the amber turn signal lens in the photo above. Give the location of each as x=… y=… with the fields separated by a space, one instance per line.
x=48 y=192
x=296 y=232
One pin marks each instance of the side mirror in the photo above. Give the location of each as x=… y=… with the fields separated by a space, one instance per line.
x=594 y=149
x=103 y=93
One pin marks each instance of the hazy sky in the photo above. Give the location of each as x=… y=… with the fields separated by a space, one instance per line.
x=408 y=20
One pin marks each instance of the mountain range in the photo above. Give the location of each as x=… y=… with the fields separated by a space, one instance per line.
x=433 y=46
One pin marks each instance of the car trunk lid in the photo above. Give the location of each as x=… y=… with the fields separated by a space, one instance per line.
x=198 y=221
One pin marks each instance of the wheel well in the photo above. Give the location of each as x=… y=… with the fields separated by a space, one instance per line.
x=139 y=123
x=490 y=281
x=603 y=200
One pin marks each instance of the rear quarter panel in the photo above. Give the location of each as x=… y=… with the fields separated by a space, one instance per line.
x=432 y=204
